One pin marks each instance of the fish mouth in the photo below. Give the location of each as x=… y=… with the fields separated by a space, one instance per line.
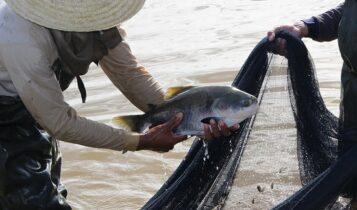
x=251 y=110
x=254 y=108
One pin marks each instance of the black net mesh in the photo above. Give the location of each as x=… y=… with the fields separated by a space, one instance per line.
x=197 y=184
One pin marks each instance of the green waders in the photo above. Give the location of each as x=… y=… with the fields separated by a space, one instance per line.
x=30 y=163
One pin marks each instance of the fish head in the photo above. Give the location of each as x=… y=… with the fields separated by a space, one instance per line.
x=234 y=106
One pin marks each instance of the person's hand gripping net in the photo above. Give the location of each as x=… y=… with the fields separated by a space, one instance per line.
x=299 y=29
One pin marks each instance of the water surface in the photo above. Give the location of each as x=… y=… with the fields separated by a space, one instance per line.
x=181 y=42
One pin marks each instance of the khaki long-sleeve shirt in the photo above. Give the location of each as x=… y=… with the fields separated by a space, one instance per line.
x=27 y=53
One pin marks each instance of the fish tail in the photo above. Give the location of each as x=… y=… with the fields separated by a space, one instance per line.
x=129 y=122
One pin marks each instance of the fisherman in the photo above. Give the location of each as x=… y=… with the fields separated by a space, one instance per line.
x=337 y=23
x=44 y=45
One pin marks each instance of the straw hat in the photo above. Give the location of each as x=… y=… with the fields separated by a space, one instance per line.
x=76 y=15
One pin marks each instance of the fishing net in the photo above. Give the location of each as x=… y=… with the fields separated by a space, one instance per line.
x=204 y=177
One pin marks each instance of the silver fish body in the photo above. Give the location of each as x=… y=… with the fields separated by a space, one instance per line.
x=198 y=105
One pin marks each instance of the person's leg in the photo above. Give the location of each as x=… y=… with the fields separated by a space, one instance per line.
x=26 y=181
x=348 y=105
x=348 y=117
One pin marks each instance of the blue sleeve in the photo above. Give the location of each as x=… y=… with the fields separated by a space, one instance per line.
x=324 y=27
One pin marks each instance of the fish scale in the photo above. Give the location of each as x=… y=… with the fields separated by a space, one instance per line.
x=198 y=105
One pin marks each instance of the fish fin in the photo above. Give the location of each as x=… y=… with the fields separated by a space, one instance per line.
x=152 y=106
x=208 y=119
x=174 y=91
x=129 y=122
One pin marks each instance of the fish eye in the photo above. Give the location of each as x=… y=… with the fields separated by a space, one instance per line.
x=222 y=106
x=246 y=103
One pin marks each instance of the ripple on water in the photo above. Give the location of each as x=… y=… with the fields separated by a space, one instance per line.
x=189 y=42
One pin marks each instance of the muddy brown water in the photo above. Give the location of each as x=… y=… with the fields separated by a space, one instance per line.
x=193 y=42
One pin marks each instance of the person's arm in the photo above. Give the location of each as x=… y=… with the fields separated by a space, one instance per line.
x=131 y=78
x=324 y=27
x=320 y=28
x=36 y=84
x=39 y=90
x=141 y=88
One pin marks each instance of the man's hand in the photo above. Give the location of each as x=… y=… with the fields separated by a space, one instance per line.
x=161 y=138
x=299 y=29
x=217 y=129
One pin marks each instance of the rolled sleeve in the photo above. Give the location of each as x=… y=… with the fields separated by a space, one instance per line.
x=132 y=141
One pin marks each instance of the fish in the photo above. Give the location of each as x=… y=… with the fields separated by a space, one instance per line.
x=199 y=104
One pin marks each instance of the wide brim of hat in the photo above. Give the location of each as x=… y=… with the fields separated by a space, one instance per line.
x=76 y=15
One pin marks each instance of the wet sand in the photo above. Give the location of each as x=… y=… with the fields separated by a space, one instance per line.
x=187 y=42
